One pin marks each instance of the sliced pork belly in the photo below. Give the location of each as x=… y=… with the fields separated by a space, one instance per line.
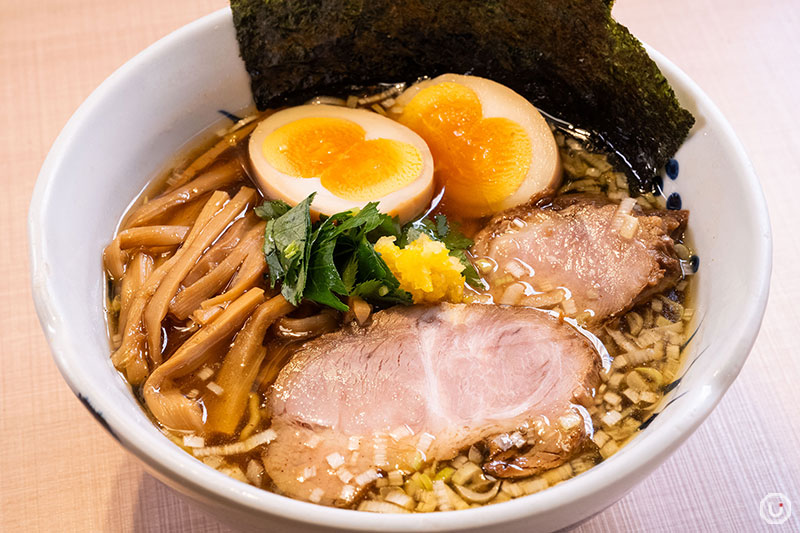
x=582 y=253
x=426 y=380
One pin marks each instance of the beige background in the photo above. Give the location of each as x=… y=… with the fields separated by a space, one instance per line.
x=59 y=471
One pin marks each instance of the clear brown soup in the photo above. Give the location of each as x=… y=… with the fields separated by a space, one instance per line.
x=645 y=343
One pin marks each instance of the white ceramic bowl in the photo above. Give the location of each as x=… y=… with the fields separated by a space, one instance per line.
x=141 y=116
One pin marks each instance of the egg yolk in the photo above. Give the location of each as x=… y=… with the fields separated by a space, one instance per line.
x=479 y=161
x=335 y=151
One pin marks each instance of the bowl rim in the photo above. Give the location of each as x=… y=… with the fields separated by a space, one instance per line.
x=181 y=467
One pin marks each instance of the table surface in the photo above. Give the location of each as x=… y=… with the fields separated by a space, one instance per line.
x=53 y=53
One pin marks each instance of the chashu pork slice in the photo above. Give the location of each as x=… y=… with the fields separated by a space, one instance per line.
x=582 y=254
x=429 y=382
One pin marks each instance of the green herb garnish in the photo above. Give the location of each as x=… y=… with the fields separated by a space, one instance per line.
x=272 y=209
x=334 y=257
x=287 y=247
x=331 y=258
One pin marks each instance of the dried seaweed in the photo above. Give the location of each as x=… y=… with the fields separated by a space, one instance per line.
x=568 y=57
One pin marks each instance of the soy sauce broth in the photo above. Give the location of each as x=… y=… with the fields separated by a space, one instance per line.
x=646 y=346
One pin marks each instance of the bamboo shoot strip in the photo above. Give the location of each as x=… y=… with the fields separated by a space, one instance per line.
x=153 y=237
x=216 y=178
x=168 y=405
x=114 y=260
x=133 y=334
x=231 y=139
x=134 y=363
x=241 y=366
x=216 y=279
x=190 y=298
x=187 y=214
x=221 y=248
x=130 y=356
x=249 y=274
x=185 y=259
x=147 y=236
x=140 y=269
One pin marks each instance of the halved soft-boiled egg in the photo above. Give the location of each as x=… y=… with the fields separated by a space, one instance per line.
x=349 y=157
x=492 y=149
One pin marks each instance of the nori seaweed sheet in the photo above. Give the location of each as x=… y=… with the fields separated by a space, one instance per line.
x=568 y=57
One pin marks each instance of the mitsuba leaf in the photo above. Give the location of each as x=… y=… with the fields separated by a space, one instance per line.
x=470 y=273
x=287 y=249
x=330 y=259
x=357 y=223
x=371 y=266
x=451 y=235
x=377 y=292
x=324 y=279
x=414 y=229
x=272 y=209
x=335 y=257
x=272 y=256
x=349 y=274
x=389 y=227
x=376 y=280
x=570 y=58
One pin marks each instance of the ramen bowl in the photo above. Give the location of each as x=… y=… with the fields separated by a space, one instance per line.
x=148 y=111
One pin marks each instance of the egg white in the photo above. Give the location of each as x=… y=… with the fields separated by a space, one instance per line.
x=498 y=101
x=406 y=203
